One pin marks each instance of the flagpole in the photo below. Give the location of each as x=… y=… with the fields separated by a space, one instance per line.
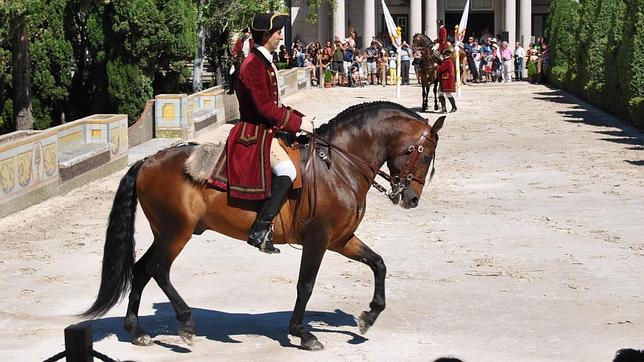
x=457 y=63
x=398 y=61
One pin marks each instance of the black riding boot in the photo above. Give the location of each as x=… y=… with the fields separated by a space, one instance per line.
x=261 y=233
x=442 y=100
x=452 y=101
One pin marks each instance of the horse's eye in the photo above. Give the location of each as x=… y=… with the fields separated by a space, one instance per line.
x=426 y=160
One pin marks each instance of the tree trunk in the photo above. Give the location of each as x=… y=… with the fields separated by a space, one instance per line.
x=21 y=76
x=197 y=68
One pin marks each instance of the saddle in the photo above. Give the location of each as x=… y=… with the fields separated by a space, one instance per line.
x=198 y=167
x=200 y=163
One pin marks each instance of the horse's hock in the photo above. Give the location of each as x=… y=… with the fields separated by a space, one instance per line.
x=35 y=165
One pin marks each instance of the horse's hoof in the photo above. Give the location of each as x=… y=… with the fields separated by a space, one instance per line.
x=312 y=345
x=187 y=336
x=142 y=340
x=364 y=322
x=435 y=107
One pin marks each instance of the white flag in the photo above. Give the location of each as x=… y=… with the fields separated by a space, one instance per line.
x=391 y=26
x=463 y=24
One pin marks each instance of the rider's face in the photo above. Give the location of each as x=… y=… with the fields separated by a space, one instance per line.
x=273 y=41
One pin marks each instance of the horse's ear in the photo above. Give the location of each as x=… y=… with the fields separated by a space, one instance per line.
x=438 y=125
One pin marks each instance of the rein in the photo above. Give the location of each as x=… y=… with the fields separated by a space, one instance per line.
x=398 y=184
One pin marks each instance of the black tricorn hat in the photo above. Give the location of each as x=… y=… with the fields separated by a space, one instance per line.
x=269 y=22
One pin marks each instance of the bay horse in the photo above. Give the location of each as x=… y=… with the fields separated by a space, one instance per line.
x=361 y=139
x=427 y=72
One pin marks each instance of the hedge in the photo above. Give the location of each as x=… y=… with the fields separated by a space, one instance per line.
x=597 y=52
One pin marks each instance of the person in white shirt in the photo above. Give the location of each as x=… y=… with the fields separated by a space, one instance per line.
x=519 y=55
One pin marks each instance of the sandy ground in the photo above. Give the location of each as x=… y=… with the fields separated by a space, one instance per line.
x=528 y=245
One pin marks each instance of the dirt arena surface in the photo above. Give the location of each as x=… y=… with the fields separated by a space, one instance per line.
x=528 y=245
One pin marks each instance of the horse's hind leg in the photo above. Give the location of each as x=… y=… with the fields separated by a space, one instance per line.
x=425 y=94
x=139 y=281
x=355 y=249
x=159 y=268
x=309 y=267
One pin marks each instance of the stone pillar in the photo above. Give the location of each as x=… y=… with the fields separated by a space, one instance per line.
x=498 y=17
x=525 y=22
x=339 y=20
x=369 y=29
x=415 y=19
x=431 y=15
x=323 y=23
x=511 y=21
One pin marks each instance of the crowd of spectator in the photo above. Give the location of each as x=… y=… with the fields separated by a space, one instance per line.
x=491 y=60
x=341 y=63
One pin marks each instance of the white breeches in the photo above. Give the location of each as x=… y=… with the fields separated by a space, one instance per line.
x=444 y=94
x=281 y=165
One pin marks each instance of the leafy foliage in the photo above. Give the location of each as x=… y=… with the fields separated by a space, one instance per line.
x=597 y=51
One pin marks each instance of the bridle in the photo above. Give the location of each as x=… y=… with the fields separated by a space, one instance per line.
x=398 y=182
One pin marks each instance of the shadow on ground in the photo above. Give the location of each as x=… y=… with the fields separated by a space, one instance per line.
x=223 y=327
x=582 y=112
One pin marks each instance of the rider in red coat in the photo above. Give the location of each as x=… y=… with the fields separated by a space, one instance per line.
x=253 y=167
x=447 y=80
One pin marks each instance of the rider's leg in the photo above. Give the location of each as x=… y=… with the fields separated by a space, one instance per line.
x=261 y=234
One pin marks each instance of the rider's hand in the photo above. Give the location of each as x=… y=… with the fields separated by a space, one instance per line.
x=307 y=125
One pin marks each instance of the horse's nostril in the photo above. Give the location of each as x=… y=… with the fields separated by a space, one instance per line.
x=414 y=202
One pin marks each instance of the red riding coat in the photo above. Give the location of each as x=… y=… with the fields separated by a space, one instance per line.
x=244 y=168
x=442 y=38
x=447 y=78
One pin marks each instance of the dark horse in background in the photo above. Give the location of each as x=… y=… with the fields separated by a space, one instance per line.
x=361 y=139
x=427 y=72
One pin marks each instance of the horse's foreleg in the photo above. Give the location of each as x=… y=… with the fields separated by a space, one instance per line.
x=139 y=281
x=159 y=268
x=435 y=97
x=425 y=95
x=355 y=249
x=309 y=266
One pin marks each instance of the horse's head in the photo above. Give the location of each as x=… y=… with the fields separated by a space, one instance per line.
x=409 y=162
x=421 y=41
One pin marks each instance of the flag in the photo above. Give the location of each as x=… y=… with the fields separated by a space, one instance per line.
x=391 y=26
x=462 y=26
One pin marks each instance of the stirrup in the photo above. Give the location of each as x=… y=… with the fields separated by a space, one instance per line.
x=263 y=241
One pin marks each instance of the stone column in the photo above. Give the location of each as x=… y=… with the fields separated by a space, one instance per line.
x=431 y=15
x=511 y=21
x=369 y=29
x=339 y=20
x=323 y=23
x=525 y=22
x=498 y=17
x=415 y=19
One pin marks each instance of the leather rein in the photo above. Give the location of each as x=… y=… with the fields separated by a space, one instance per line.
x=398 y=182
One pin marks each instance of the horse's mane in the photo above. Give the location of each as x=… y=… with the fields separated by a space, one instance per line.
x=345 y=115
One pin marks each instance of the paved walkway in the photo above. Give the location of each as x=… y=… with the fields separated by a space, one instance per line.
x=528 y=245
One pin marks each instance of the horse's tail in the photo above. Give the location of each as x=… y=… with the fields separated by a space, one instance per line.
x=118 y=253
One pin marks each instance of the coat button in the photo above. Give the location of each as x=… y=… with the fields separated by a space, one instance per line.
x=275 y=102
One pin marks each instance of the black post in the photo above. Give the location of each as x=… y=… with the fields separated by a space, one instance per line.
x=78 y=343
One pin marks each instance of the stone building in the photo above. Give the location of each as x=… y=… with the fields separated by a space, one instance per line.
x=515 y=20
